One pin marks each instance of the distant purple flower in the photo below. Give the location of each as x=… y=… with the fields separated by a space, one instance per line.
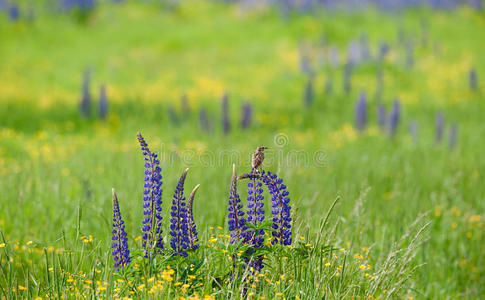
x=121 y=253
x=280 y=209
x=353 y=53
x=152 y=202
x=453 y=135
x=394 y=118
x=103 y=103
x=439 y=127
x=204 y=120
x=247 y=115
x=86 y=95
x=305 y=66
x=226 y=126
x=191 y=227
x=13 y=12
x=333 y=56
x=473 y=79
x=413 y=130
x=172 y=116
x=383 y=50
x=309 y=94
x=236 y=214
x=381 y=115
x=255 y=211
x=184 y=103
x=347 y=80
x=178 y=222
x=361 y=112
x=364 y=47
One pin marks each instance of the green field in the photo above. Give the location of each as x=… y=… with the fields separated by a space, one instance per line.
x=408 y=215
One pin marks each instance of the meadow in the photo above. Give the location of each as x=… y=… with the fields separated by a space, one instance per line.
x=378 y=212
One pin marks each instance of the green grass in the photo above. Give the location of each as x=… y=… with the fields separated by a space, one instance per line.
x=57 y=169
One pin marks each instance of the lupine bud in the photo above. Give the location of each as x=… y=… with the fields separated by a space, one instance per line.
x=192 y=228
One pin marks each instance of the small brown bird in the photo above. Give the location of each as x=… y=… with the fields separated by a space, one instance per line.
x=258 y=158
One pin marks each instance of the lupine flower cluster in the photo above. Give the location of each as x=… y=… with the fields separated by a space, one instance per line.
x=239 y=221
x=183 y=230
x=120 y=252
x=86 y=98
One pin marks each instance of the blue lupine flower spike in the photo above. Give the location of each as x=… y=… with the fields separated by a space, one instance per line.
x=236 y=214
x=178 y=222
x=281 y=210
x=255 y=209
x=152 y=202
x=192 y=228
x=121 y=253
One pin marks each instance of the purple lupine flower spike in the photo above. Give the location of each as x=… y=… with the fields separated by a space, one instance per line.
x=413 y=130
x=348 y=76
x=152 y=202
x=103 y=103
x=394 y=118
x=86 y=96
x=13 y=12
x=281 y=210
x=204 y=120
x=236 y=219
x=361 y=112
x=381 y=115
x=383 y=50
x=184 y=103
x=255 y=210
x=121 y=253
x=453 y=135
x=247 y=115
x=192 y=228
x=439 y=123
x=226 y=126
x=473 y=79
x=178 y=222
x=309 y=94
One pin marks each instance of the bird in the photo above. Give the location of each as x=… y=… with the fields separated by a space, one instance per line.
x=258 y=158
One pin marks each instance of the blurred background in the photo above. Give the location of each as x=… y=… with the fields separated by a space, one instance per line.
x=379 y=103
